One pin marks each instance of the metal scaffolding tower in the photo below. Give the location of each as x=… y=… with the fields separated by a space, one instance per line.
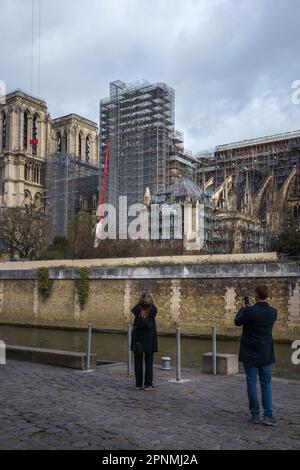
x=138 y=120
x=71 y=186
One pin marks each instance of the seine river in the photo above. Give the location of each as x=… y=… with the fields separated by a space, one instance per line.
x=111 y=347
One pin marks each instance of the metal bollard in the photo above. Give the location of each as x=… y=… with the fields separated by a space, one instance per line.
x=129 y=355
x=214 y=349
x=89 y=347
x=178 y=356
x=178 y=379
x=2 y=353
x=166 y=363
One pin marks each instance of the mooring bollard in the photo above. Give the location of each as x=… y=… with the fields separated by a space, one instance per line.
x=166 y=363
x=178 y=379
x=89 y=347
x=214 y=349
x=2 y=353
x=178 y=356
x=129 y=355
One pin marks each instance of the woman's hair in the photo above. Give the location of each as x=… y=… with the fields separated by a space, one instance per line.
x=146 y=300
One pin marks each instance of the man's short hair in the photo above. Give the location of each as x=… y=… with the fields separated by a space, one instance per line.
x=262 y=292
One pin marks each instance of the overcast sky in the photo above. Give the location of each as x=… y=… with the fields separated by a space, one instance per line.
x=231 y=62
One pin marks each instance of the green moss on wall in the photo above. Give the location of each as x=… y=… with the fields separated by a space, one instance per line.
x=83 y=287
x=45 y=284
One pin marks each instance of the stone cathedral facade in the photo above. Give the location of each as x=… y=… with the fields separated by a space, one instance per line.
x=28 y=135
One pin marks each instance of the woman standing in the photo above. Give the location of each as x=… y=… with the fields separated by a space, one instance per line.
x=144 y=340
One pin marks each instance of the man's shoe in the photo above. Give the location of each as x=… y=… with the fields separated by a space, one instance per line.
x=254 y=420
x=139 y=388
x=269 y=421
x=148 y=387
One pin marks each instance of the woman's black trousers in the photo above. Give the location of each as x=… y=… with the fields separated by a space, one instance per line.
x=139 y=369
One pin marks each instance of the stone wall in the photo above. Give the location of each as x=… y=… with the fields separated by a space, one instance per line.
x=193 y=296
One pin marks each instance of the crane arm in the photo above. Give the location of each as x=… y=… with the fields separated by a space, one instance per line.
x=100 y=211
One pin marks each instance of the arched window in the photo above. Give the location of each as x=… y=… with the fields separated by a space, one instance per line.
x=65 y=143
x=80 y=146
x=38 y=200
x=36 y=174
x=25 y=130
x=4 y=130
x=87 y=149
x=34 y=134
x=58 y=141
x=27 y=198
x=26 y=172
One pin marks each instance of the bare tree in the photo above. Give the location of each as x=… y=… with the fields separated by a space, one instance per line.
x=23 y=230
x=80 y=235
x=117 y=249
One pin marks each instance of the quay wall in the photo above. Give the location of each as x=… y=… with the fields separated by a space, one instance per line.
x=192 y=292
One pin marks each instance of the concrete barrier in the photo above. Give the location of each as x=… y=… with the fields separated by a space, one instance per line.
x=227 y=364
x=52 y=357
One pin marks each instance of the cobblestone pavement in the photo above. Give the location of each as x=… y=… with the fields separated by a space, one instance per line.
x=50 y=408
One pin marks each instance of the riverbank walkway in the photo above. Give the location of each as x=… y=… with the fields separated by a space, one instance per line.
x=44 y=407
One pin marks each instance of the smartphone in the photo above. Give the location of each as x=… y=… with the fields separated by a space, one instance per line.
x=247 y=300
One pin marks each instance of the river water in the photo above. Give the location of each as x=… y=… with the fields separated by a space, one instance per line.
x=112 y=347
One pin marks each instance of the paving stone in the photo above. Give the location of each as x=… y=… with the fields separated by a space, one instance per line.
x=51 y=408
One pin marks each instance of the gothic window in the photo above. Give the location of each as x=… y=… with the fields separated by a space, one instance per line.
x=34 y=134
x=27 y=198
x=58 y=141
x=38 y=200
x=4 y=130
x=65 y=143
x=25 y=138
x=35 y=174
x=80 y=146
x=26 y=172
x=88 y=149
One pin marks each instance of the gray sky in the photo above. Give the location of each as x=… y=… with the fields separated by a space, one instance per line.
x=231 y=62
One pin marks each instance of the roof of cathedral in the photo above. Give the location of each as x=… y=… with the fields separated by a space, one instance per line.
x=75 y=116
x=23 y=94
x=185 y=187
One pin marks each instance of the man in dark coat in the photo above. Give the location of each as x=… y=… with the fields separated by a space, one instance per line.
x=144 y=340
x=257 y=352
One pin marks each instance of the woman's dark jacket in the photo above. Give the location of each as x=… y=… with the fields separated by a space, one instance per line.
x=144 y=334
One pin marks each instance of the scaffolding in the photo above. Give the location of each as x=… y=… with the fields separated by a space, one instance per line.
x=71 y=186
x=254 y=159
x=264 y=171
x=181 y=160
x=138 y=121
x=185 y=191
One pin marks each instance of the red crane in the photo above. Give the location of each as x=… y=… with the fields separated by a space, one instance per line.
x=100 y=211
